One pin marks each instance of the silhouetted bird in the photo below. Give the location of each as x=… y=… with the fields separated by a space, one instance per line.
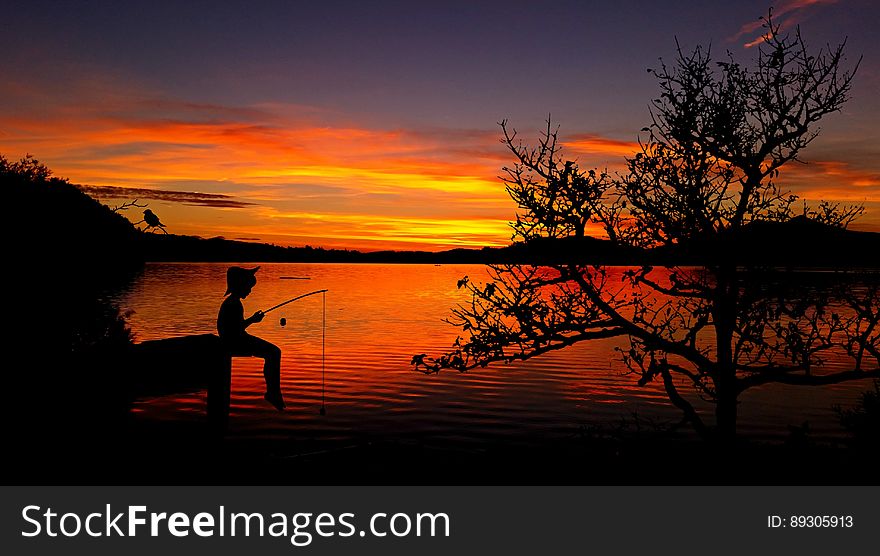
x=152 y=221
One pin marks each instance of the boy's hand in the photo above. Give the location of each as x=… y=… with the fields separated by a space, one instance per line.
x=258 y=316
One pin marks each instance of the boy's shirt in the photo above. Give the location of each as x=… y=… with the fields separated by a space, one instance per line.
x=230 y=319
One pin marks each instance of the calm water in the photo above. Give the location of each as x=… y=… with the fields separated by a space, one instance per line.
x=377 y=317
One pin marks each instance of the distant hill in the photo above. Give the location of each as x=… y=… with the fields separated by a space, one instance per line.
x=161 y=247
x=797 y=242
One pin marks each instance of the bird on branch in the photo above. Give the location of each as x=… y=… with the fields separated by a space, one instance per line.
x=152 y=222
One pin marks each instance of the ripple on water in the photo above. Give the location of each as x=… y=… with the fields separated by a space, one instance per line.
x=378 y=316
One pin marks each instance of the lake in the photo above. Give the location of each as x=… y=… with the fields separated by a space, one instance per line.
x=377 y=318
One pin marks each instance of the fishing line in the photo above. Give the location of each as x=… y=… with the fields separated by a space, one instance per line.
x=323 y=293
x=323 y=335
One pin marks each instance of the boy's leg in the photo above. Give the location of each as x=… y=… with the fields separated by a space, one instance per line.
x=271 y=356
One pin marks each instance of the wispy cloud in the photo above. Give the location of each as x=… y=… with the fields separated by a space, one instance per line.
x=108 y=192
x=597 y=146
x=833 y=180
x=786 y=14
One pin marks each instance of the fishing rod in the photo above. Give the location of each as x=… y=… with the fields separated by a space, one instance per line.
x=292 y=300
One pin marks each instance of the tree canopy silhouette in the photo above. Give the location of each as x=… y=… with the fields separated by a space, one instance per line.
x=706 y=172
x=59 y=222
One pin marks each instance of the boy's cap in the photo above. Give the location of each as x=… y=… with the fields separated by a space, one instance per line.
x=237 y=277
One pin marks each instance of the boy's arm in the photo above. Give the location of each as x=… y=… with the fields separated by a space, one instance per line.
x=256 y=317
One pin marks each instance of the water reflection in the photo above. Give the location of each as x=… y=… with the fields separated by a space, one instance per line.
x=377 y=317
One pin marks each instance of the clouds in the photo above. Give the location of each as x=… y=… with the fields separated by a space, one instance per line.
x=786 y=14
x=833 y=180
x=109 y=192
x=594 y=150
x=345 y=151
x=287 y=174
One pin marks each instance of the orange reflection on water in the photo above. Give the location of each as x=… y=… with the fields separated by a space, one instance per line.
x=377 y=317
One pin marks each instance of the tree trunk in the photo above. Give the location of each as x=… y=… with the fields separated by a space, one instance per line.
x=725 y=410
x=725 y=381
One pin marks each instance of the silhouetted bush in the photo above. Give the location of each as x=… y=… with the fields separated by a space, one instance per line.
x=53 y=222
x=863 y=420
x=65 y=253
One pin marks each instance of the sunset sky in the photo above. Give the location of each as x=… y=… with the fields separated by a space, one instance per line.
x=374 y=125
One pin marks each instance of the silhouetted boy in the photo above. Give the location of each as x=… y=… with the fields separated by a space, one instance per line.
x=231 y=326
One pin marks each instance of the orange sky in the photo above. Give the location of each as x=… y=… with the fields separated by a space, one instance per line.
x=379 y=131
x=334 y=186
x=306 y=184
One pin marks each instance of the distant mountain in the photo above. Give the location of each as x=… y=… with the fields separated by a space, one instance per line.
x=161 y=247
x=796 y=242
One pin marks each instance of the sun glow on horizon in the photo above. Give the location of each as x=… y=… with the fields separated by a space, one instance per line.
x=293 y=182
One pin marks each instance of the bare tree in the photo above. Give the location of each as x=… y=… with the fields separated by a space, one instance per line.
x=706 y=171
